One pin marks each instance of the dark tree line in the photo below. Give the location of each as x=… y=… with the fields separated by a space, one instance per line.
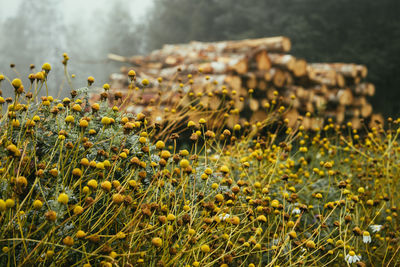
x=360 y=31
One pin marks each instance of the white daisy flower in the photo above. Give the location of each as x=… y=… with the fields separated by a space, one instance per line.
x=376 y=227
x=366 y=237
x=296 y=211
x=352 y=257
x=224 y=216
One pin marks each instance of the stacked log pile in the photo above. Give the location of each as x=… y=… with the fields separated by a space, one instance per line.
x=257 y=73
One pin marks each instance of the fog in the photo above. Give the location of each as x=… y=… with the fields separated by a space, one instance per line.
x=358 y=31
x=35 y=32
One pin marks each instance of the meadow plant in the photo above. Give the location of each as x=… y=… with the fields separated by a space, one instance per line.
x=85 y=184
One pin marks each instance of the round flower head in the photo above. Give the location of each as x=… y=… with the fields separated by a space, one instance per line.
x=296 y=211
x=16 y=83
x=90 y=80
x=366 y=237
x=376 y=228
x=46 y=67
x=352 y=257
x=145 y=82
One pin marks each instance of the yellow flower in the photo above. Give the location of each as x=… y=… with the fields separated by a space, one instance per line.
x=145 y=82
x=37 y=204
x=80 y=234
x=292 y=234
x=120 y=235
x=100 y=166
x=10 y=203
x=68 y=241
x=184 y=163
x=16 y=83
x=160 y=145
x=117 y=198
x=77 y=108
x=131 y=73
x=77 y=172
x=90 y=80
x=310 y=244
x=205 y=248
x=157 y=242
x=224 y=169
x=165 y=154
x=261 y=218
x=2 y=205
x=78 y=210
x=105 y=121
x=92 y=184
x=170 y=217
x=46 y=67
x=63 y=198
x=95 y=106
x=69 y=119
x=219 y=197
x=106 y=186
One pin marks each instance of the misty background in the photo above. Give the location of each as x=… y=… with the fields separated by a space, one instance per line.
x=359 y=31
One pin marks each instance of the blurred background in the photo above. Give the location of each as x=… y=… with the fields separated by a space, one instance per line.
x=360 y=31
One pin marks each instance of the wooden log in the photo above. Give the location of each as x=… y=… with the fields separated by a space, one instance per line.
x=292 y=116
x=211 y=101
x=278 y=77
x=262 y=60
x=340 y=114
x=301 y=93
x=250 y=80
x=312 y=123
x=233 y=82
x=340 y=81
x=258 y=116
x=224 y=65
x=319 y=89
x=376 y=121
x=362 y=71
x=283 y=61
x=288 y=78
x=271 y=44
x=356 y=123
x=319 y=102
x=262 y=84
x=347 y=70
x=352 y=112
x=367 y=89
x=340 y=97
x=231 y=120
x=239 y=104
x=323 y=79
x=359 y=101
x=300 y=68
x=337 y=114
x=366 y=110
x=253 y=104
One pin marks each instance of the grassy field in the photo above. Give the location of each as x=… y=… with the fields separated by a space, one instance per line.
x=83 y=184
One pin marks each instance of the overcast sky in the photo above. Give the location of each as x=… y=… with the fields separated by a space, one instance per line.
x=77 y=8
x=88 y=52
